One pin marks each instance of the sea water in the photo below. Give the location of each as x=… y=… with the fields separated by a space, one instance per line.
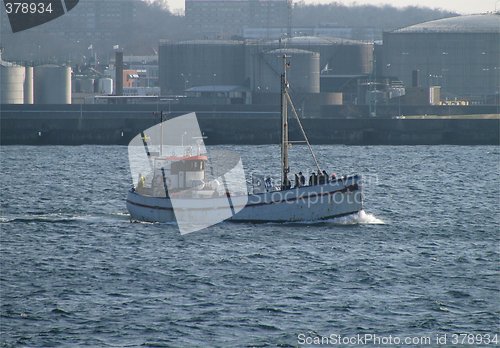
x=421 y=261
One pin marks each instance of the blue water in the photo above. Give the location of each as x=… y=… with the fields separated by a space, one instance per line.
x=421 y=260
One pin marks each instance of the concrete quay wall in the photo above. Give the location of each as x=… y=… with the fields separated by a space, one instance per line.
x=118 y=124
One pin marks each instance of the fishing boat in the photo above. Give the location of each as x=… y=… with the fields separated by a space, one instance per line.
x=181 y=185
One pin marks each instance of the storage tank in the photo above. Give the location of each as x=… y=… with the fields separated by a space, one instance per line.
x=105 y=86
x=303 y=73
x=52 y=84
x=11 y=83
x=200 y=63
x=28 y=86
x=461 y=54
x=87 y=85
x=338 y=56
x=75 y=85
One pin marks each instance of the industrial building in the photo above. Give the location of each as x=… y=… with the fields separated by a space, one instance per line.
x=452 y=60
x=255 y=64
x=195 y=63
x=222 y=19
x=87 y=29
x=460 y=54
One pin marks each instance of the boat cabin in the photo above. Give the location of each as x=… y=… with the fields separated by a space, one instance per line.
x=178 y=173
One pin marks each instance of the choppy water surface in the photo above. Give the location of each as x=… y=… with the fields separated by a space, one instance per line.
x=422 y=259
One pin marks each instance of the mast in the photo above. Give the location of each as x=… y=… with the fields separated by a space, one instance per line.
x=284 y=125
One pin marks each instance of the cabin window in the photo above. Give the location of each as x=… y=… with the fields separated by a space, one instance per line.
x=187 y=166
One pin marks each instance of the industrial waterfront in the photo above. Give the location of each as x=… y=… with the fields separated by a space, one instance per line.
x=348 y=91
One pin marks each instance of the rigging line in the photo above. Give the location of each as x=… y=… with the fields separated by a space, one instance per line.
x=302 y=130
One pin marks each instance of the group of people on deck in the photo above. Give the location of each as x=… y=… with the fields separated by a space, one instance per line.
x=319 y=178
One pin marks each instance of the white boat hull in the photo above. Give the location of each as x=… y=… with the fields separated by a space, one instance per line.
x=308 y=203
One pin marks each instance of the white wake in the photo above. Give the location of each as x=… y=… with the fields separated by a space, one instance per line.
x=360 y=218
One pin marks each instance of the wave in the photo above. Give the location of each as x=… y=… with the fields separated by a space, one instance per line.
x=38 y=219
x=359 y=218
x=62 y=218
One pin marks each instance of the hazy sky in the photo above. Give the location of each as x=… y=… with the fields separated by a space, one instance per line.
x=460 y=6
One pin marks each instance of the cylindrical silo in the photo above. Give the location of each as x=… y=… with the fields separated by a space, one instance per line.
x=52 y=84
x=87 y=85
x=11 y=83
x=303 y=73
x=75 y=85
x=28 y=86
x=337 y=56
x=188 y=64
x=105 y=86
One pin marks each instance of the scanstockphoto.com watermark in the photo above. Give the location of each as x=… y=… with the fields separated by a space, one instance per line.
x=346 y=190
x=362 y=340
x=371 y=339
x=309 y=199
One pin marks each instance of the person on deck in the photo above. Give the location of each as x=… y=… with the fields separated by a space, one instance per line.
x=321 y=178
x=313 y=179
x=297 y=181
x=141 y=182
x=268 y=184
x=325 y=175
x=302 y=179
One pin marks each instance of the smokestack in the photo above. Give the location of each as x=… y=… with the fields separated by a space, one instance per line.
x=414 y=78
x=119 y=72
